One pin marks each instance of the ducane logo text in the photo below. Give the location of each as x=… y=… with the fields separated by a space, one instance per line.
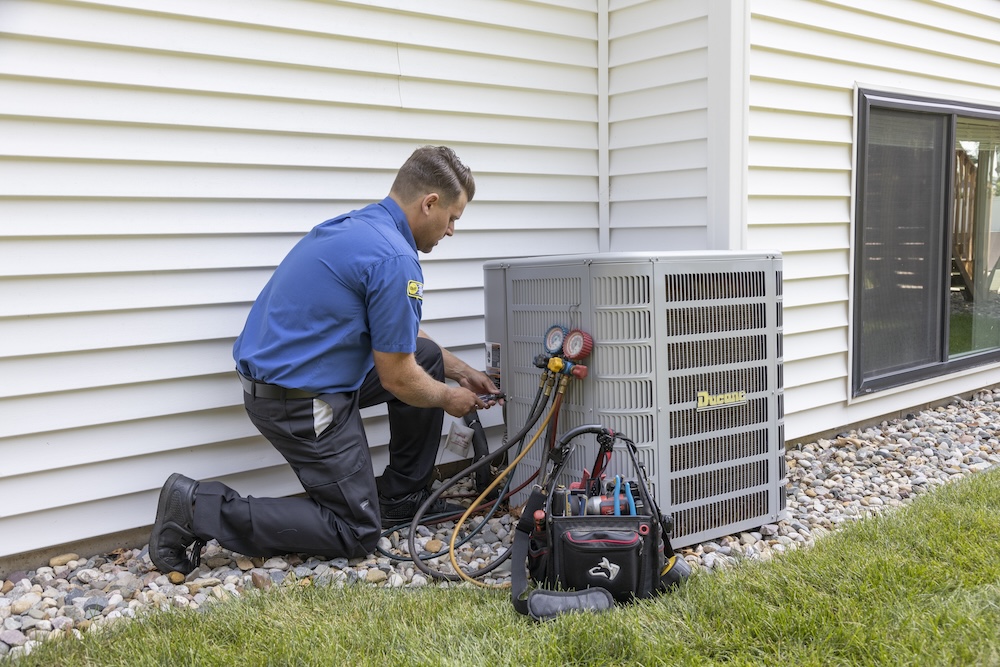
x=707 y=401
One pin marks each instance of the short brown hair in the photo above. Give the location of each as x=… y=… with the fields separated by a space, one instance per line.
x=434 y=169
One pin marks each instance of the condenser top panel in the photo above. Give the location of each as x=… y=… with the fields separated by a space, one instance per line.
x=632 y=257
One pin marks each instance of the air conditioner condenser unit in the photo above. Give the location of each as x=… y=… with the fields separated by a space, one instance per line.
x=686 y=362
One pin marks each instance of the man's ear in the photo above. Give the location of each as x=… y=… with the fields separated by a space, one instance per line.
x=429 y=201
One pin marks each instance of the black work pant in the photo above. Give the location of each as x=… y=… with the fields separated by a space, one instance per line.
x=340 y=517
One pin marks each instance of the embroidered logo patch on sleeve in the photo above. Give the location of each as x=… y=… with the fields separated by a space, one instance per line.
x=415 y=290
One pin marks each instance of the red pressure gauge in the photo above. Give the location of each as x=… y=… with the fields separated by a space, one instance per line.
x=578 y=345
x=554 y=339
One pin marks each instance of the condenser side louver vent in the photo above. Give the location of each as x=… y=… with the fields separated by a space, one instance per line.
x=749 y=379
x=686 y=362
x=722 y=285
x=689 y=421
x=690 y=488
x=542 y=291
x=703 y=519
x=733 y=317
x=720 y=449
x=717 y=352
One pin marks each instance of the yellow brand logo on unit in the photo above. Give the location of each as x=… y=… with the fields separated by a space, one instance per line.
x=707 y=401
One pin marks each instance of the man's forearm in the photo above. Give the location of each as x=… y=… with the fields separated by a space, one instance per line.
x=464 y=374
x=401 y=375
x=454 y=368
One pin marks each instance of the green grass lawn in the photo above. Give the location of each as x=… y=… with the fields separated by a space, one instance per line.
x=916 y=586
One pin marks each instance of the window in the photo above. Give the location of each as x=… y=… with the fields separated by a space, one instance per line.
x=926 y=282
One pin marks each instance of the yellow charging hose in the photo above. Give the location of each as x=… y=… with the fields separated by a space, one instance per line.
x=508 y=470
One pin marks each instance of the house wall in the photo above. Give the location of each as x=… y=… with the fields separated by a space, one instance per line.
x=159 y=157
x=658 y=110
x=805 y=61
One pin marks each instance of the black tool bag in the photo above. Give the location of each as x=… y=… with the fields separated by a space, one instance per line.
x=621 y=554
x=591 y=561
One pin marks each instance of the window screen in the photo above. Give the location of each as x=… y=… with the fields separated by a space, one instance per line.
x=902 y=241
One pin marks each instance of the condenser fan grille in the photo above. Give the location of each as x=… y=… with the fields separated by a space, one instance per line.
x=720 y=357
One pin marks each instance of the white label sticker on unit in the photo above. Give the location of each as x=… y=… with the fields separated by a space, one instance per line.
x=493 y=362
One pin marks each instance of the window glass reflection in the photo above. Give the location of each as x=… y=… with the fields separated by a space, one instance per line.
x=974 y=305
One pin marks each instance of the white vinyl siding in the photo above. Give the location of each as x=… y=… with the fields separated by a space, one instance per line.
x=658 y=125
x=158 y=159
x=806 y=59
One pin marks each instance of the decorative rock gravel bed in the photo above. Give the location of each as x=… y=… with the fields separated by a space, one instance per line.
x=830 y=482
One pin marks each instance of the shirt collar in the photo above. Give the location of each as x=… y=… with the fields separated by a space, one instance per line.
x=390 y=205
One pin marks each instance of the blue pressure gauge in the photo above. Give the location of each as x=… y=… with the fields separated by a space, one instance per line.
x=554 y=338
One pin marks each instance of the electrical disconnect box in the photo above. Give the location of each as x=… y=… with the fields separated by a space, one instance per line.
x=686 y=361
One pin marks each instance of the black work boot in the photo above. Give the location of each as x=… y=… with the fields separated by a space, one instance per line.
x=399 y=510
x=173 y=530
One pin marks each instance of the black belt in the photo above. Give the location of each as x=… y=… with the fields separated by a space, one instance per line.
x=265 y=390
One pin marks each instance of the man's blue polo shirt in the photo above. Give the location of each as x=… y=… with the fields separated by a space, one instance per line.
x=351 y=285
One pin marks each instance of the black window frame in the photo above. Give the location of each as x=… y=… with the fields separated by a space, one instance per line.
x=867 y=99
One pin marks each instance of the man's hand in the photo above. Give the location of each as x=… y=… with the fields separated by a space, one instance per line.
x=461 y=402
x=401 y=375
x=466 y=376
x=480 y=384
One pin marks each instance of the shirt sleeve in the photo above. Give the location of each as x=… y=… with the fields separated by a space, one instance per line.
x=394 y=300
